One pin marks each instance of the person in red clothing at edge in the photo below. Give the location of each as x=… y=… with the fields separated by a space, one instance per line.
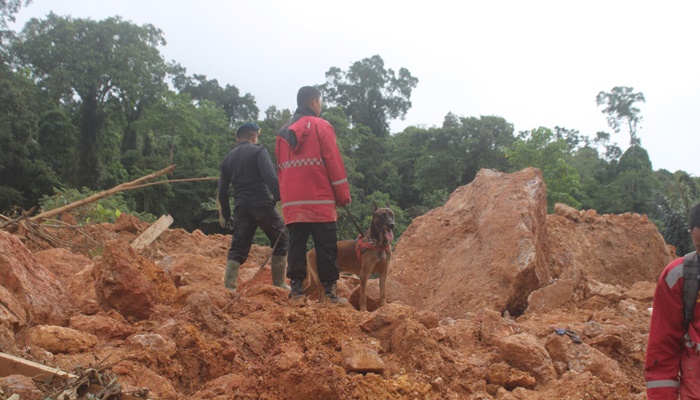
x=673 y=355
x=312 y=183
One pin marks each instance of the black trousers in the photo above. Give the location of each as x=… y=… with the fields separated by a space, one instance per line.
x=246 y=220
x=325 y=239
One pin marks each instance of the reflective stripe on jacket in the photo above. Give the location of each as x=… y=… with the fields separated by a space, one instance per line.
x=311 y=171
x=666 y=343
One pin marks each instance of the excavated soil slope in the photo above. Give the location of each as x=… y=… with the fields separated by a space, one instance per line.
x=477 y=290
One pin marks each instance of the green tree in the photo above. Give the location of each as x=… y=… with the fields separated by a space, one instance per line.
x=620 y=109
x=593 y=175
x=670 y=207
x=57 y=139
x=542 y=149
x=8 y=9
x=633 y=185
x=238 y=108
x=406 y=148
x=192 y=136
x=94 y=61
x=24 y=178
x=612 y=151
x=370 y=94
x=457 y=151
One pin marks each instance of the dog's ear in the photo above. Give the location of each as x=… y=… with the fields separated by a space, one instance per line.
x=374 y=207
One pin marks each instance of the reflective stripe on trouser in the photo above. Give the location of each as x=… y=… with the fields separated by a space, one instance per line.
x=690 y=375
x=662 y=384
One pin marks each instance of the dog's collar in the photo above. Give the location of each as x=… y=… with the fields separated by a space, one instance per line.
x=368 y=238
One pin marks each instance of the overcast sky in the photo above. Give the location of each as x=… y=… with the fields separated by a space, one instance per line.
x=534 y=63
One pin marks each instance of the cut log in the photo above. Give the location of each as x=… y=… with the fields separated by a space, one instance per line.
x=152 y=233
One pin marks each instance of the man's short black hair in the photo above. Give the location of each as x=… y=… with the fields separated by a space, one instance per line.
x=694 y=217
x=306 y=95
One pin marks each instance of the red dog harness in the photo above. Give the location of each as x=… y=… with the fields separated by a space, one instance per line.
x=361 y=246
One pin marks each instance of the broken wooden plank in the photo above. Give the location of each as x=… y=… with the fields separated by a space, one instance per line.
x=11 y=365
x=152 y=233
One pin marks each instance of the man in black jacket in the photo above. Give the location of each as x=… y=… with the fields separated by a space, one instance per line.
x=255 y=190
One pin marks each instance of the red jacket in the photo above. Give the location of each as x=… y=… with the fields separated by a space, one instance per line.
x=311 y=171
x=666 y=335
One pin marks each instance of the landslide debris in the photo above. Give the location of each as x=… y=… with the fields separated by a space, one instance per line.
x=487 y=296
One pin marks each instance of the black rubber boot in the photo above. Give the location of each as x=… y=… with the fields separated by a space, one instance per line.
x=297 y=296
x=330 y=294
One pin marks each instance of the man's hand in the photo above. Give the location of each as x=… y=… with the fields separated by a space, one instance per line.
x=228 y=225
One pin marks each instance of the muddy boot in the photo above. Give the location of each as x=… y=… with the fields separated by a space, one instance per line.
x=297 y=296
x=231 y=274
x=279 y=267
x=331 y=296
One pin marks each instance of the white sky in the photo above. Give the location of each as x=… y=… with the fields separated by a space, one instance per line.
x=534 y=63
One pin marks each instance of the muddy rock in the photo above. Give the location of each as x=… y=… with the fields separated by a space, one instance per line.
x=104 y=326
x=35 y=288
x=567 y=212
x=12 y=314
x=62 y=262
x=524 y=352
x=81 y=288
x=395 y=292
x=135 y=376
x=465 y=244
x=129 y=223
x=613 y=249
x=361 y=359
x=57 y=339
x=129 y=283
x=20 y=385
x=580 y=357
x=556 y=295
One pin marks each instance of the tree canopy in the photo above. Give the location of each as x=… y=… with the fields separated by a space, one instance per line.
x=370 y=94
x=85 y=105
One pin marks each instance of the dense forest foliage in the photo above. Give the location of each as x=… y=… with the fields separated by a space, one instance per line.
x=85 y=105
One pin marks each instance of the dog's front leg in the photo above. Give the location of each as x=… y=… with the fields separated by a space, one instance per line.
x=383 y=274
x=364 y=276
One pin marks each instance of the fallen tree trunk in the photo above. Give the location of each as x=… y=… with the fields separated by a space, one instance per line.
x=97 y=196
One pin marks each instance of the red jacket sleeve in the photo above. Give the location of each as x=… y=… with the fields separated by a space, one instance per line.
x=666 y=332
x=334 y=163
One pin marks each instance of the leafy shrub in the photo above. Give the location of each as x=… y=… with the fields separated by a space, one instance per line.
x=107 y=209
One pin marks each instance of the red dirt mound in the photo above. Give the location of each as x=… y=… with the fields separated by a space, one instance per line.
x=486 y=282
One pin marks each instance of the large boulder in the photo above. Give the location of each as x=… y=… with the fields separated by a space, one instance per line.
x=35 y=288
x=486 y=247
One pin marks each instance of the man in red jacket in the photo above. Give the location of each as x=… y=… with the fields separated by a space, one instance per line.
x=312 y=183
x=673 y=353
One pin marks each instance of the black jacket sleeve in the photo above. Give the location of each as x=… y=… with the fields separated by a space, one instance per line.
x=267 y=170
x=224 y=183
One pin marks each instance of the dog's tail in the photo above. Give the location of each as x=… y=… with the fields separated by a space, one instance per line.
x=311 y=284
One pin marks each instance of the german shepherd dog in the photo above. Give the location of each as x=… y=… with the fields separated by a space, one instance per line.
x=369 y=254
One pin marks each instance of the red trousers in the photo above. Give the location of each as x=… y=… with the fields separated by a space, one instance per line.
x=690 y=375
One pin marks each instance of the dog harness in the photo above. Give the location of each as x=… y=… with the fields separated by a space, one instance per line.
x=361 y=246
